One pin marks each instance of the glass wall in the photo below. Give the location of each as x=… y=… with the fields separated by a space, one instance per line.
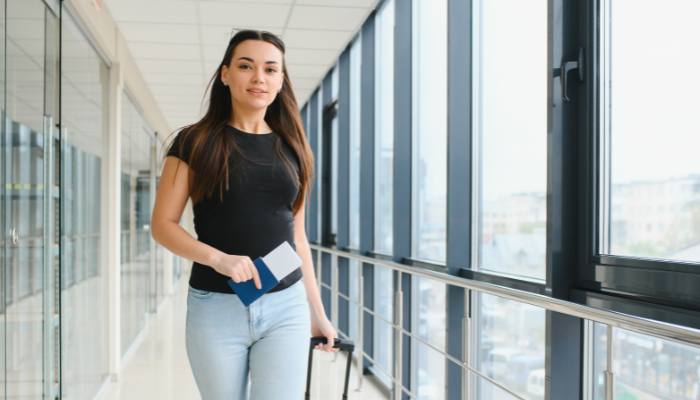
x=84 y=116
x=653 y=196
x=510 y=346
x=645 y=367
x=429 y=129
x=510 y=118
x=355 y=84
x=135 y=223
x=428 y=323
x=383 y=320
x=30 y=199
x=384 y=130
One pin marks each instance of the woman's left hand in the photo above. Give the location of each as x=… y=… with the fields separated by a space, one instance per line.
x=321 y=326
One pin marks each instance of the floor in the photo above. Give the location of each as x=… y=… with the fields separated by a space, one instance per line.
x=159 y=368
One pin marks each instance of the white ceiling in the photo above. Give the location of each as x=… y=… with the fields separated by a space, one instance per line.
x=178 y=44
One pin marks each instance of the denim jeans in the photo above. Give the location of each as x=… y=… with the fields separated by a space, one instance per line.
x=268 y=342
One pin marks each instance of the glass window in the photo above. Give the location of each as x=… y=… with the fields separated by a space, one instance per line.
x=355 y=95
x=646 y=367
x=429 y=324
x=651 y=186
x=135 y=222
x=383 y=330
x=511 y=346
x=84 y=112
x=429 y=129
x=384 y=130
x=510 y=145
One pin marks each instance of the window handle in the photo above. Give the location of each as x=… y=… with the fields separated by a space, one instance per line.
x=569 y=66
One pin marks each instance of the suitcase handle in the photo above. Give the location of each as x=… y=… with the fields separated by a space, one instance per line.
x=341 y=344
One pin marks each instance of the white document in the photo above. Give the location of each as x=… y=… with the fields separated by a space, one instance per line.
x=282 y=261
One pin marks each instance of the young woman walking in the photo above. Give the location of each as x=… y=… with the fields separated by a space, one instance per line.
x=247 y=167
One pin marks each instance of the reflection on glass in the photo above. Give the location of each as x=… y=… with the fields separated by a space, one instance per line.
x=334 y=174
x=429 y=129
x=489 y=391
x=354 y=282
x=135 y=223
x=511 y=146
x=384 y=130
x=655 y=191
x=29 y=109
x=355 y=85
x=429 y=314
x=511 y=343
x=647 y=367
x=383 y=331
x=85 y=80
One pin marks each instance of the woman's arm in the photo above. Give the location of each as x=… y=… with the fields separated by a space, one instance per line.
x=171 y=198
x=320 y=326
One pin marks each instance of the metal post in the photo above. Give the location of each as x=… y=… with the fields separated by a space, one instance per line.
x=609 y=375
x=398 y=353
x=48 y=262
x=466 y=342
x=359 y=347
x=334 y=315
x=318 y=269
x=588 y=357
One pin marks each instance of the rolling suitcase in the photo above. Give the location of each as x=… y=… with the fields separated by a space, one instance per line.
x=347 y=345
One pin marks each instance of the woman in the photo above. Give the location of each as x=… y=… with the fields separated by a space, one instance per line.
x=247 y=168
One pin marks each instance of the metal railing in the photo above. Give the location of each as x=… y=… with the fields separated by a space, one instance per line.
x=662 y=330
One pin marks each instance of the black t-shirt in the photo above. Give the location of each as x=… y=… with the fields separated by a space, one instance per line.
x=256 y=214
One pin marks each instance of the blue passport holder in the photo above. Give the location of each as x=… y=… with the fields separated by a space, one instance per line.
x=272 y=268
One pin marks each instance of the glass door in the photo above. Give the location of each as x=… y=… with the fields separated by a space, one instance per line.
x=30 y=200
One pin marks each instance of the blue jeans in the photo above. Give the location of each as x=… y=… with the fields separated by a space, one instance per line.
x=269 y=340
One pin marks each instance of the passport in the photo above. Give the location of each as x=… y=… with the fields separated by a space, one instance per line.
x=272 y=268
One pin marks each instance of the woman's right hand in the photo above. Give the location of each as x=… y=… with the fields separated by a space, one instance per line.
x=238 y=268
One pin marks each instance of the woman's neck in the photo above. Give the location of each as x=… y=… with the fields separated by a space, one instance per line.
x=249 y=121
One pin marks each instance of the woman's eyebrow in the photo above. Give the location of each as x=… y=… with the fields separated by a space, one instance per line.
x=251 y=60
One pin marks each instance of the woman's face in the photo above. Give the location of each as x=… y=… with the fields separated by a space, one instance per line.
x=255 y=74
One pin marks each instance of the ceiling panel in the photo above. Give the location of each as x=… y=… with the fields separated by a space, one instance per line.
x=167 y=11
x=338 y=3
x=306 y=71
x=159 y=33
x=316 y=39
x=174 y=79
x=166 y=51
x=178 y=44
x=329 y=18
x=311 y=57
x=304 y=83
x=239 y=15
x=169 y=66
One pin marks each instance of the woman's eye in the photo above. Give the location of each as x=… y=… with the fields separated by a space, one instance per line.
x=244 y=66
x=271 y=70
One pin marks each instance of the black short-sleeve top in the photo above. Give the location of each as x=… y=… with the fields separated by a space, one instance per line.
x=256 y=214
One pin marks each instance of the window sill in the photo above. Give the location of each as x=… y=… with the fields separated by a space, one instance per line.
x=506 y=281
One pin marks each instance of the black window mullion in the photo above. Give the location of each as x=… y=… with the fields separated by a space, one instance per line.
x=402 y=166
x=459 y=192
x=367 y=172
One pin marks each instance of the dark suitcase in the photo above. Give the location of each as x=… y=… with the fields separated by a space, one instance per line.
x=342 y=344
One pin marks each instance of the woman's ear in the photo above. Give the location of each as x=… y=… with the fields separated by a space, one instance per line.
x=224 y=73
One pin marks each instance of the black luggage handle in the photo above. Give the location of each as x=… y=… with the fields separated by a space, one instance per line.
x=342 y=344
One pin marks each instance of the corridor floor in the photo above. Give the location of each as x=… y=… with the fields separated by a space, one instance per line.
x=159 y=370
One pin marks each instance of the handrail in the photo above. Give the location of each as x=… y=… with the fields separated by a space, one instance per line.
x=676 y=333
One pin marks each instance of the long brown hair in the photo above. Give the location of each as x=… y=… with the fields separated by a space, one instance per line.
x=211 y=148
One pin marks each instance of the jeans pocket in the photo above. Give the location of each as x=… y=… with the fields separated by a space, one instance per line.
x=199 y=294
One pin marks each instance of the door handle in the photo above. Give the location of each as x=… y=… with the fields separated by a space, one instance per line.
x=570 y=66
x=14 y=235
